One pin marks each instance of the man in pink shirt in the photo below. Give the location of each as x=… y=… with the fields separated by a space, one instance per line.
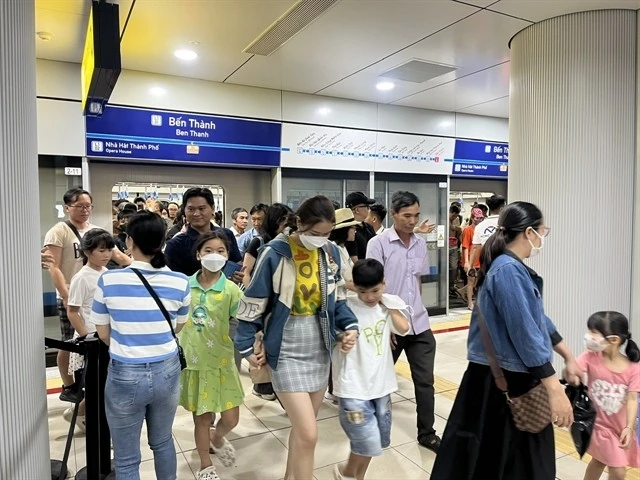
x=405 y=260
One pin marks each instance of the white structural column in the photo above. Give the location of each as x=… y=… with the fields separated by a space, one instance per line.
x=572 y=136
x=24 y=444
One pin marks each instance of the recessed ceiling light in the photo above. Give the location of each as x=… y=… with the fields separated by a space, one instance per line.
x=184 y=54
x=45 y=36
x=157 y=91
x=446 y=123
x=385 y=86
x=324 y=110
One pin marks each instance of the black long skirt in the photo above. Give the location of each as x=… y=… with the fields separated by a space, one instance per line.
x=481 y=441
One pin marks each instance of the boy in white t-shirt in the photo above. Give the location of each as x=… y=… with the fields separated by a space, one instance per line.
x=364 y=379
x=96 y=248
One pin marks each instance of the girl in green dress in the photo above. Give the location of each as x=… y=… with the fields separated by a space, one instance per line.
x=211 y=383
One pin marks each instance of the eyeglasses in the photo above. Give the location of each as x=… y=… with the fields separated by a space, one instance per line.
x=545 y=231
x=84 y=208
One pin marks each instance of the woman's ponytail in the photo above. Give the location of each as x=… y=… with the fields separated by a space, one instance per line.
x=632 y=351
x=158 y=260
x=495 y=246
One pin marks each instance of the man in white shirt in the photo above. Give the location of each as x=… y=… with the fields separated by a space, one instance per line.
x=377 y=214
x=487 y=227
x=240 y=218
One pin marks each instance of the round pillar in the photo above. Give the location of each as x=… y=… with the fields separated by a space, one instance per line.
x=24 y=443
x=572 y=141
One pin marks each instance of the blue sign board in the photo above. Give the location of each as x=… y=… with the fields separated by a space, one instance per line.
x=133 y=133
x=480 y=159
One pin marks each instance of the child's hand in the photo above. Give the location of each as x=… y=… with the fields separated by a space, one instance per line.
x=626 y=437
x=348 y=340
x=572 y=373
x=256 y=361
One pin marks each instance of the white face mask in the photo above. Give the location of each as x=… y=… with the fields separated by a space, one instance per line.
x=311 y=242
x=213 y=262
x=536 y=250
x=594 y=343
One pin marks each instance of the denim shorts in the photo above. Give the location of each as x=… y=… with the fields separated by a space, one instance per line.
x=367 y=423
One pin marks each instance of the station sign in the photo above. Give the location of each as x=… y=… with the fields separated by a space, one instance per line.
x=143 y=134
x=480 y=159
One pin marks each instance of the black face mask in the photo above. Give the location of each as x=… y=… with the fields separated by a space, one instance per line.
x=123 y=228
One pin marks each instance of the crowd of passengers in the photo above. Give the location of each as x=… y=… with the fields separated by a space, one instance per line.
x=321 y=302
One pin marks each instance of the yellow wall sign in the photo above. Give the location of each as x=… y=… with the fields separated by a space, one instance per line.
x=88 y=61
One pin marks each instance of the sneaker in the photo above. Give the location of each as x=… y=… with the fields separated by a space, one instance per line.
x=80 y=419
x=71 y=393
x=331 y=397
x=337 y=475
x=269 y=397
x=431 y=442
x=226 y=453
x=208 y=473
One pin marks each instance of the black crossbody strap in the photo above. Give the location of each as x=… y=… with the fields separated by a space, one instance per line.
x=73 y=228
x=153 y=293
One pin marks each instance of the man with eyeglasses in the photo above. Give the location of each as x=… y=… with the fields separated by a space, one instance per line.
x=63 y=243
x=360 y=204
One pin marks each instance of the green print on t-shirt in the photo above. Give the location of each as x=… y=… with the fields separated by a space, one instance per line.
x=375 y=334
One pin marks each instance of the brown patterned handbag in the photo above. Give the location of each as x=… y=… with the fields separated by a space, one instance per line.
x=531 y=411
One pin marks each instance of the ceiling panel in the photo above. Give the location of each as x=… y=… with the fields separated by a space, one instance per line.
x=473 y=44
x=537 y=10
x=465 y=92
x=350 y=36
x=67 y=21
x=494 y=108
x=221 y=29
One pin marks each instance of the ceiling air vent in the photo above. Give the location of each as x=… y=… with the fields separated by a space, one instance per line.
x=417 y=71
x=301 y=14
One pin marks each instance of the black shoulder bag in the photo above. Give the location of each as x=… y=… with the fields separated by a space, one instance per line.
x=152 y=292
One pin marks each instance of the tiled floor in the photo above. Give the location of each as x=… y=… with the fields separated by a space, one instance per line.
x=261 y=437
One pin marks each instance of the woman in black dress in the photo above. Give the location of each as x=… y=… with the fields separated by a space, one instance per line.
x=481 y=441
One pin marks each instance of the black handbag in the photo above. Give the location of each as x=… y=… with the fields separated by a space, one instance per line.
x=584 y=415
x=152 y=292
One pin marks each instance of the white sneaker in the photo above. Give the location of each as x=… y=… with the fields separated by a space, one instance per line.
x=208 y=473
x=339 y=476
x=226 y=453
x=331 y=397
x=80 y=419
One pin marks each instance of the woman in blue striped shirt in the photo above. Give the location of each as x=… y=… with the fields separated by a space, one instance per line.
x=144 y=373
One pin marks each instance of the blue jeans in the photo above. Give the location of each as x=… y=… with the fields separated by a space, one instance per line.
x=367 y=423
x=133 y=393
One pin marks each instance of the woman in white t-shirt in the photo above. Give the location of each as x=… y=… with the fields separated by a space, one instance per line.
x=97 y=245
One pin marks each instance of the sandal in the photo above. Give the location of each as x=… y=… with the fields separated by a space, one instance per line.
x=226 y=453
x=208 y=473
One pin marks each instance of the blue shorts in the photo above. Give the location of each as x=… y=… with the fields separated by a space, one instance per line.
x=367 y=423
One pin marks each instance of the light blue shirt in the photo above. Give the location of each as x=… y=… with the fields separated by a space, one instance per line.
x=245 y=239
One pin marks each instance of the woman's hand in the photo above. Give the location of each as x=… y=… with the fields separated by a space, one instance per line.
x=626 y=437
x=348 y=340
x=561 y=411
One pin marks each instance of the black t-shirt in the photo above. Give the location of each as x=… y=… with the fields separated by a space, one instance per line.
x=364 y=233
x=254 y=246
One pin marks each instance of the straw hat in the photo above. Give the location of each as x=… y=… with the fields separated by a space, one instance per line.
x=344 y=219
